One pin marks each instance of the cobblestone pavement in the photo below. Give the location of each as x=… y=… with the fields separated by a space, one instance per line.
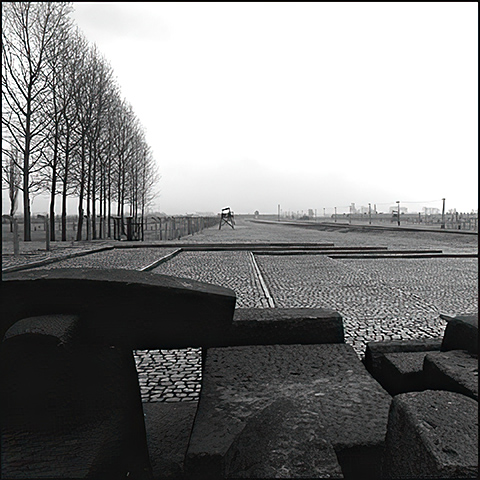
x=169 y=375
x=130 y=259
x=379 y=299
x=228 y=269
x=35 y=251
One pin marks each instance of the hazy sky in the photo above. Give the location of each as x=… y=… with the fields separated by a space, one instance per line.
x=306 y=105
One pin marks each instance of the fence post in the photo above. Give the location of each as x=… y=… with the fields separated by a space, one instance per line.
x=47 y=233
x=16 y=246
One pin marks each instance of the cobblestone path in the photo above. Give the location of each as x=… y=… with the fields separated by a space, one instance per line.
x=228 y=269
x=130 y=259
x=378 y=299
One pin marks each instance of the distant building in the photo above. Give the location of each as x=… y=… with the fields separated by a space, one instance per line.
x=352 y=208
x=430 y=211
x=395 y=208
x=310 y=213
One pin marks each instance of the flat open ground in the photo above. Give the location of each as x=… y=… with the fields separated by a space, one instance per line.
x=378 y=298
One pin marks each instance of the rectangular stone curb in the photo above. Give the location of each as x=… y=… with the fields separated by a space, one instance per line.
x=270 y=326
x=461 y=333
x=402 y=372
x=375 y=350
x=432 y=434
x=455 y=371
x=332 y=392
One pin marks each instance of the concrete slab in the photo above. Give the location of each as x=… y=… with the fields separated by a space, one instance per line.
x=137 y=310
x=461 y=333
x=432 y=434
x=402 y=372
x=375 y=351
x=337 y=398
x=271 y=326
x=455 y=371
x=168 y=427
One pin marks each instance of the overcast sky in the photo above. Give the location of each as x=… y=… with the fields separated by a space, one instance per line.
x=306 y=105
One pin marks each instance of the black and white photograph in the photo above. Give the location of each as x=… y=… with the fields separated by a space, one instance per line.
x=239 y=240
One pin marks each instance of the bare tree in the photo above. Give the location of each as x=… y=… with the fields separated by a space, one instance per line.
x=11 y=178
x=58 y=58
x=69 y=140
x=29 y=29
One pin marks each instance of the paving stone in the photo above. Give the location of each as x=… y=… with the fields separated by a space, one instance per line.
x=461 y=334
x=455 y=371
x=328 y=381
x=432 y=434
x=168 y=427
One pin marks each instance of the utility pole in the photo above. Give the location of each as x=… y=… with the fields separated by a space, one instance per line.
x=443 y=214
x=335 y=214
x=324 y=213
x=398 y=212
x=278 y=212
x=369 y=213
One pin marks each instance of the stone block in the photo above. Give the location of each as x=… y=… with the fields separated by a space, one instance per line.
x=59 y=330
x=455 y=371
x=278 y=443
x=271 y=326
x=168 y=427
x=69 y=454
x=36 y=381
x=402 y=372
x=331 y=392
x=432 y=434
x=87 y=418
x=461 y=333
x=375 y=351
x=137 y=310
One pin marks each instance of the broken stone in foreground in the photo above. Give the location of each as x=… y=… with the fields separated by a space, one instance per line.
x=461 y=333
x=432 y=434
x=334 y=401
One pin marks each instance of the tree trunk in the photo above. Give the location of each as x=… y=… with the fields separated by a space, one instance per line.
x=27 y=236
x=81 y=195
x=64 y=190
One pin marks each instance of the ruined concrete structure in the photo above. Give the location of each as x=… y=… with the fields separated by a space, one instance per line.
x=282 y=394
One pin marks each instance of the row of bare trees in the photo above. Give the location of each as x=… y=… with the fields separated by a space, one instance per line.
x=66 y=129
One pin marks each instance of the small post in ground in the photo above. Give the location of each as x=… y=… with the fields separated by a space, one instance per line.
x=16 y=244
x=47 y=233
x=443 y=214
